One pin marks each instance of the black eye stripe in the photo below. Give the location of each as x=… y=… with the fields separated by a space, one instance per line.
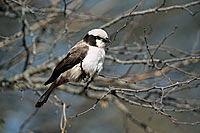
x=99 y=38
x=91 y=39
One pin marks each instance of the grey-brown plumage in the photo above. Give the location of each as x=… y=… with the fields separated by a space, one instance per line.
x=83 y=61
x=73 y=57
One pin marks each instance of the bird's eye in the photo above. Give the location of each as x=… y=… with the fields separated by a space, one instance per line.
x=97 y=37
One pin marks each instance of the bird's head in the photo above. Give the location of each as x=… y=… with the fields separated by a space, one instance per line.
x=97 y=37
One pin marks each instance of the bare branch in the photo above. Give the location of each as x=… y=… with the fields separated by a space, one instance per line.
x=149 y=11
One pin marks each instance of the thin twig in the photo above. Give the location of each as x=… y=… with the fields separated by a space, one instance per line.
x=93 y=106
x=147 y=47
x=29 y=118
x=162 y=42
x=24 y=39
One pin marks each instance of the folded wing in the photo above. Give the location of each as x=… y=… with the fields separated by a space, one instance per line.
x=73 y=57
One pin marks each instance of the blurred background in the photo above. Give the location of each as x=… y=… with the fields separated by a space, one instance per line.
x=52 y=27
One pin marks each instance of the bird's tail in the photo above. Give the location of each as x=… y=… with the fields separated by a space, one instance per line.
x=43 y=99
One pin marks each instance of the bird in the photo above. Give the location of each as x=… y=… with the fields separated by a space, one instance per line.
x=82 y=63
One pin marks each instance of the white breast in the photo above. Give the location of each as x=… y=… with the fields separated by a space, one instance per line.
x=93 y=62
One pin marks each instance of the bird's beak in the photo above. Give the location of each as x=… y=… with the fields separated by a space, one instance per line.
x=107 y=40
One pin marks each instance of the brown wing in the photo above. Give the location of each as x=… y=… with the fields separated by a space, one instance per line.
x=73 y=57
